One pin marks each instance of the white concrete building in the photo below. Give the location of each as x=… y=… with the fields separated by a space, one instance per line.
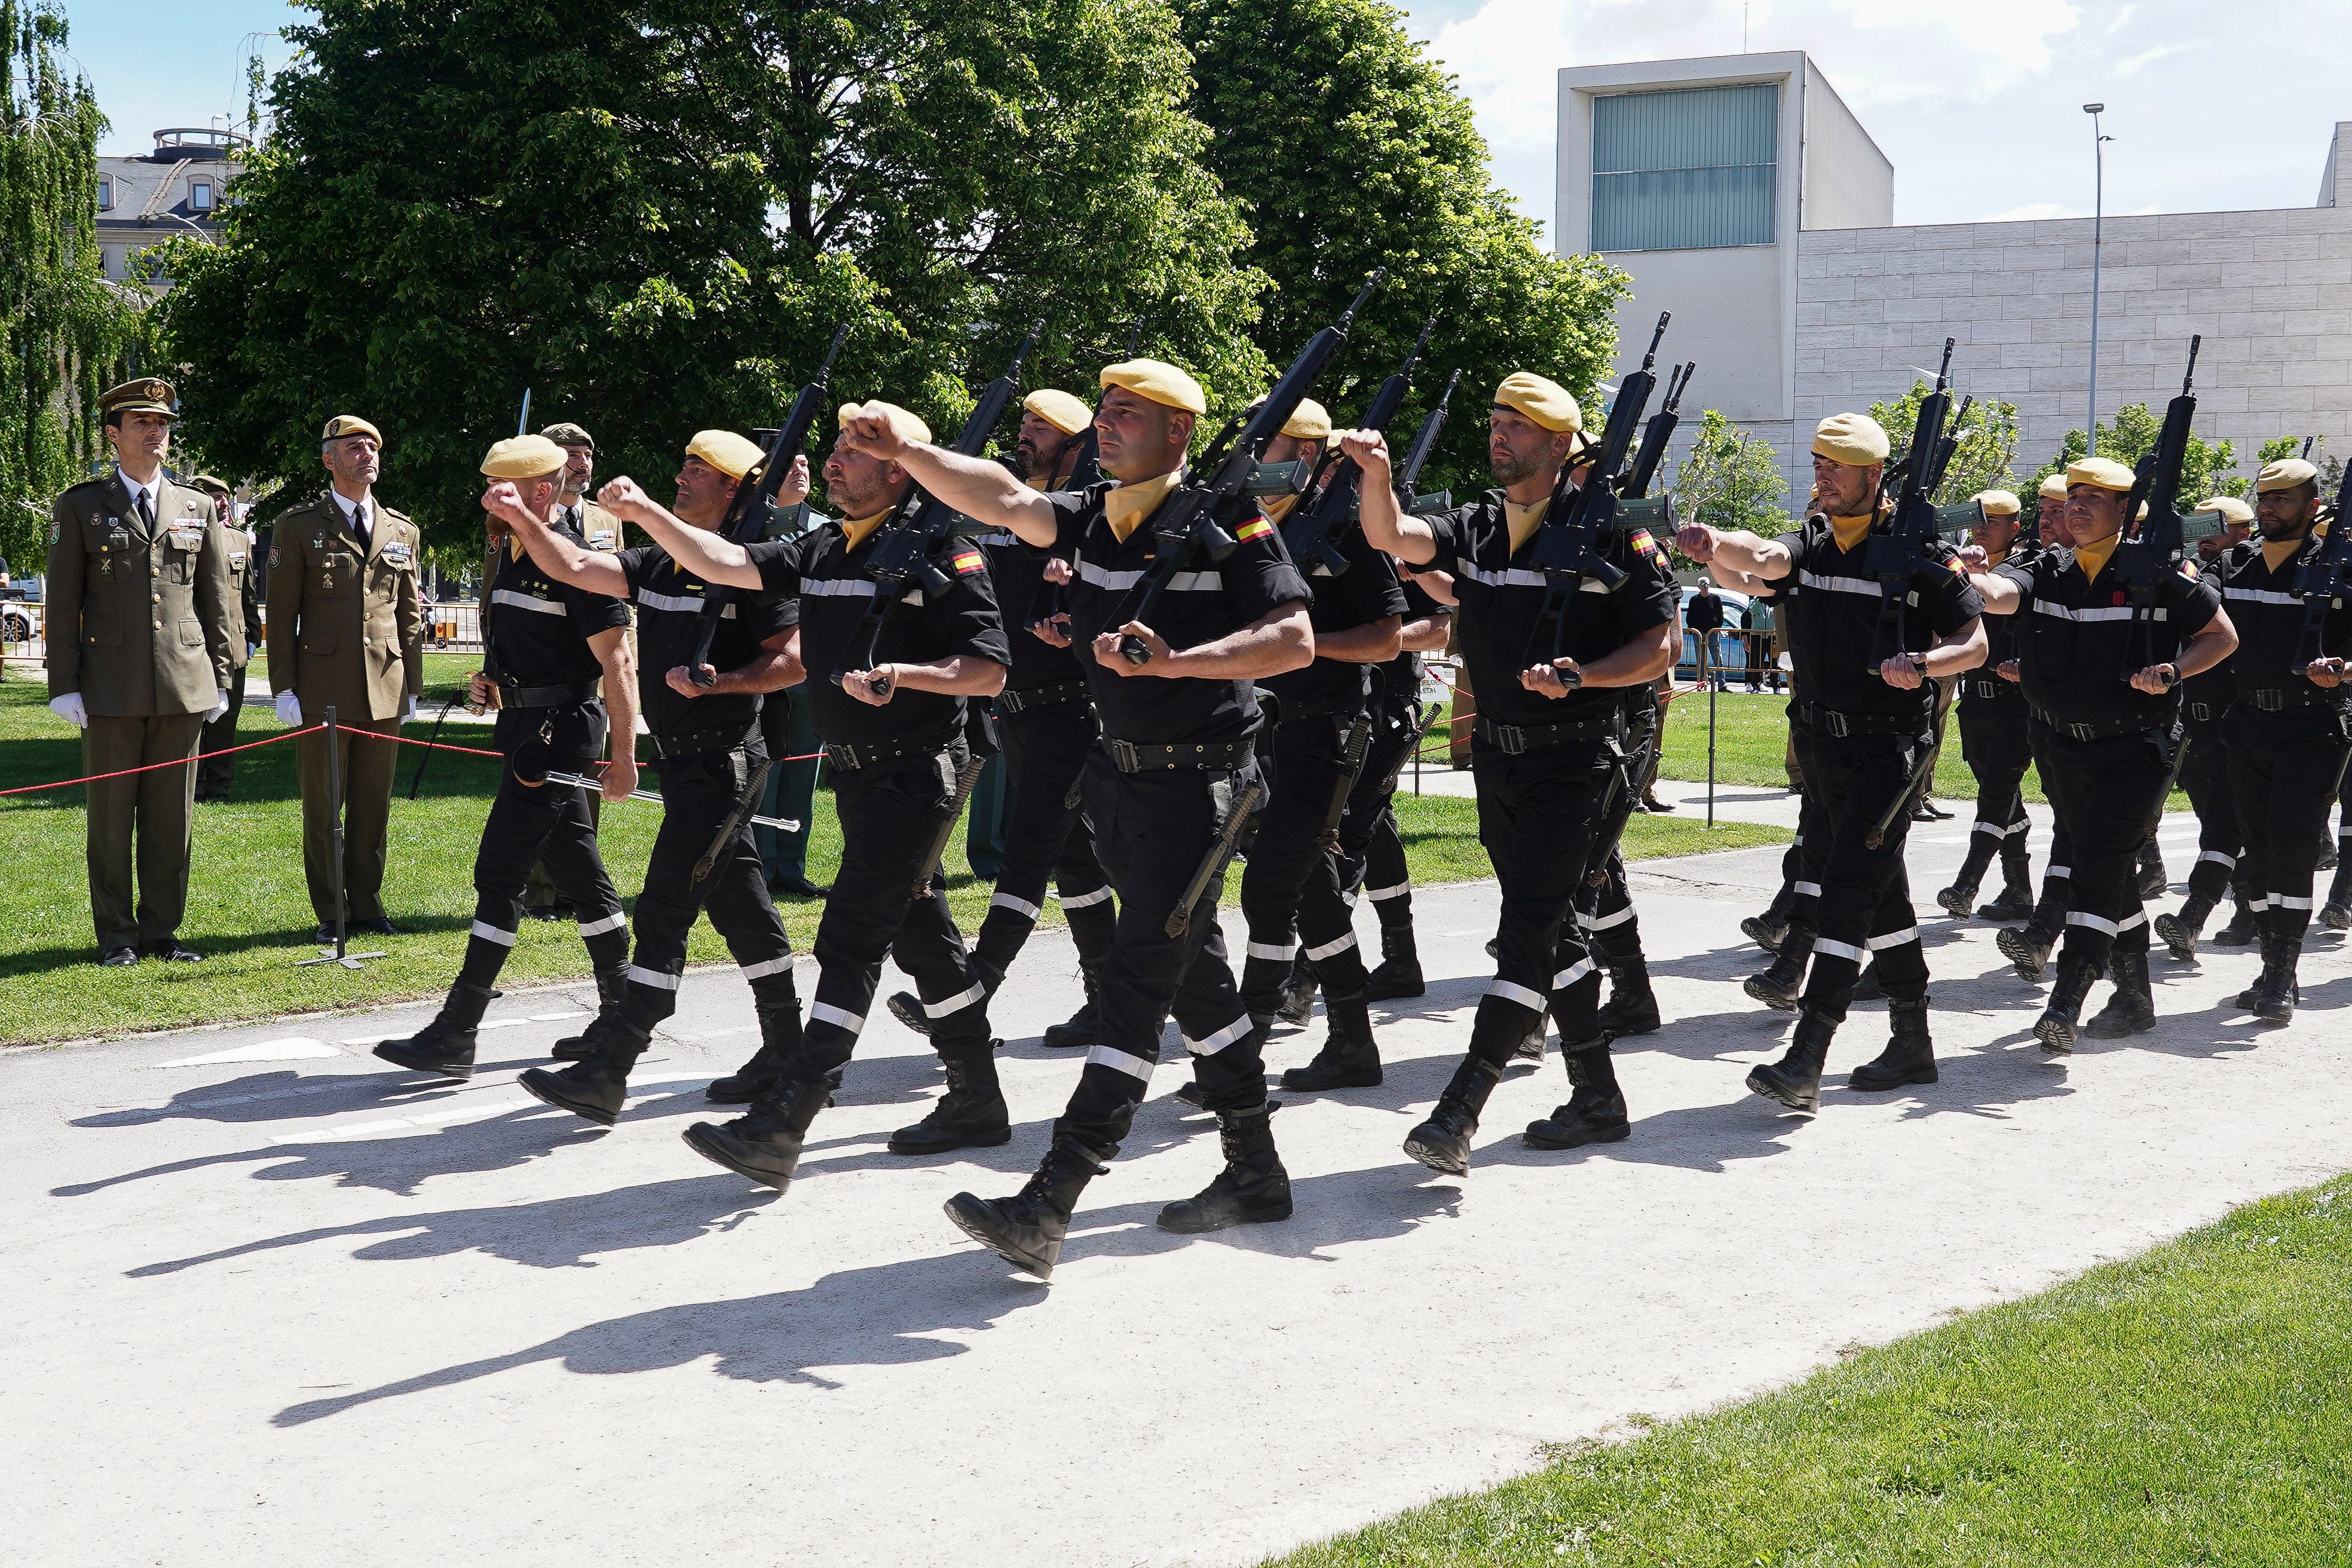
x=1743 y=195
x=177 y=190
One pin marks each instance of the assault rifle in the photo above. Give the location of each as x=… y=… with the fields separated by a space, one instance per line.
x=1644 y=473
x=1199 y=519
x=2325 y=580
x=1309 y=533
x=2152 y=548
x=747 y=513
x=1897 y=546
x=919 y=524
x=1567 y=547
x=1424 y=441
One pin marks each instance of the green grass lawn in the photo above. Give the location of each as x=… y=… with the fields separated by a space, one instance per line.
x=248 y=911
x=2187 y=1406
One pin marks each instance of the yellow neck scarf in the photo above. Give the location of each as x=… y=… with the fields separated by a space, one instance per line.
x=1849 y=530
x=514 y=546
x=2092 y=558
x=1524 y=520
x=1276 y=508
x=1994 y=558
x=857 y=530
x=2278 y=552
x=1126 y=506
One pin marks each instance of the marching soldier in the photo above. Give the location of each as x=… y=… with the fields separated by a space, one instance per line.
x=1543 y=753
x=347 y=632
x=2205 y=772
x=1162 y=790
x=2028 y=947
x=599 y=530
x=1371 y=853
x=142 y=611
x=1993 y=742
x=552 y=646
x=2103 y=732
x=2286 y=733
x=894 y=737
x=1860 y=724
x=215 y=773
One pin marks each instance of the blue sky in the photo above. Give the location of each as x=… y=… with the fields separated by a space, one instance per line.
x=2213 y=106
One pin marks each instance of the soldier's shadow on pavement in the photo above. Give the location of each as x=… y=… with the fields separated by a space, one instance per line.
x=285 y=1094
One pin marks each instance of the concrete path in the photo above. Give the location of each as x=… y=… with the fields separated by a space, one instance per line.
x=272 y=1302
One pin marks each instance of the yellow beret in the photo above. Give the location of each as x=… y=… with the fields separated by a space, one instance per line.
x=523 y=457
x=1999 y=503
x=350 y=425
x=2285 y=475
x=148 y=394
x=731 y=454
x=2104 y=472
x=909 y=429
x=2230 y=507
x=1159 y=383
x=1547 y=403
x=2053 y=487
x=1855 y=439
x=1308 y=422
x=1059 y=409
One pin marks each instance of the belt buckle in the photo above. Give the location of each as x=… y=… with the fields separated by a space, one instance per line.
x=2269 y=700
x=1835 y=723
x=2082 y=732
x=1125 y=756
x=1510 y=739
x=844 y=756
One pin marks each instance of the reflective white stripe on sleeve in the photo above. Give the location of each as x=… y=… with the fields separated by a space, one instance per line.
x=1217 y=1042
x=1397 y=891
x=2092 y=922
x=955 y=1004
x=490 y=932
x=613 y=921
x=678 y=603
x=1020 y=906
x=839 y=1018
x=1083 y=900
x=1825 y=948
x=766 y=967
x=1893 y=938
x=1806 y=889
x=1119 y=1061
x=525 y=602
x=1511 y=991
x=652 y=977
x=1341 y=945
x=1276 y=952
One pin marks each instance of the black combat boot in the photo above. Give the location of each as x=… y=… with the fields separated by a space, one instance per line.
x=612 y=983
x=1349 y=1058
x=2151 y=869
x=2180 y=932
x=1252 y=1188
x=2027 y=948
x=1910 y=1054
x=1595 y=1111
x=764 y=1142
x=2336 y=913
x=1959 y=900
x=780 y=1041
x=1866 y=984
x=597 y=1085
x=1767 y=929
x=1531 y=1044
x=2131 y=1010
x=1298 y=995
x=2245 y=924
x=1781 y=985
x=2062 y=1014
x=2016 y=900
x=444 y=1046
x=1443 y=1142
x=1083 y=1027
x=1027 y=1230
x=1795 y=1080
x=1399 y=973
x=970 y=1115
x=1632 y=1007
x=2277 y=992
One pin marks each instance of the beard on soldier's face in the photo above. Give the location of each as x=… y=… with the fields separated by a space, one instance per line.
x=1509 y=467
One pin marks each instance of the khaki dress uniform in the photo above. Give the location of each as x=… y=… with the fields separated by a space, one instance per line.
x=139 y=618
x=347 y=632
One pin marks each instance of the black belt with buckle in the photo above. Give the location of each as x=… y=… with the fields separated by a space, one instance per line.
x=853 y=755
x=2281 y=698
x=2103 y=729
x=547 y=696
x=1831 y=722
x=1129 y=758
x=1513 y=740
x=1992 y=687
x=2201 y=712
x=1011 y=701
x=700 y=743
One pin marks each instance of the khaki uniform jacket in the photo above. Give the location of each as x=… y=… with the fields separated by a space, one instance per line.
x=244 y=571
x=346 y=630
x=139 y=623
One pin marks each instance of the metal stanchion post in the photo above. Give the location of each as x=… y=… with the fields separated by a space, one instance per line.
x=342 y=954
x=1702 y=662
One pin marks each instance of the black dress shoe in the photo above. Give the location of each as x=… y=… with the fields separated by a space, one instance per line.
x=796 y=887
x=169 y=950
x=325 y=936
x=118 y=958
x=380 y=926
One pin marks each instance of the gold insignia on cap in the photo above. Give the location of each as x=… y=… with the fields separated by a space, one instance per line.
x=908 y=427
x=724 y=450
x=1854 y=439
x=2285 y=475
x=523 y=457
x=1998 y=503
x=1157 y=381
x=1547 y=403
x=1059 y=409
x=2105 y=472
x=148 y=394
x=344 y=425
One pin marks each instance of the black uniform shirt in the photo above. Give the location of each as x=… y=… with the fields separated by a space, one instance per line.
x=1837 y=640
x=669 y=612
x=2001 y=642
x=1212 y=600
x=1018 y=574
x=2212 y=690
x=1500 y=595
x=835 y=591
x=2076 y=637
x=2269 y=615
x=1366 y=591
x=540 y=628
x=1401 y=676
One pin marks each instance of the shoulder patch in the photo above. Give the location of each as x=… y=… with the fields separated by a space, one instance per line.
x=1255 y=528
x=967 y=561
x=1958 y=570
x=273 y=556
x=1643 y=543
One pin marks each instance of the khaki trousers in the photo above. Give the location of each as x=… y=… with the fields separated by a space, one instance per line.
x=156 y=808
x=367 y=767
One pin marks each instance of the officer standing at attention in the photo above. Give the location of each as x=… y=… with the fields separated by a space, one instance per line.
x=347 y=632
x=2103 y=729
x=214 y=774
x=1176 y=760
x=1542 y=751
x=1993 y=742
x=2286 y=733
x=1860 y=723
x=707 y=745
x=2205 y=770
x=894 y=735
x=141 y=610
x=552 y=644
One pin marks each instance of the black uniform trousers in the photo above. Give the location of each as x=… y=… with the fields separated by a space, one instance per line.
x=1865 y=901
x=1290 y=889
x=2205 y=774
x=1151 y=831
x=2283 y=769
x=1371 y=851
x=1538 y=814
x=531 y=820
x=889 y=814
x=2103 y=791
x=1604 y=901
x=699 y=793
x=1046 y=836
x=1800 y=871
x=1994 y=744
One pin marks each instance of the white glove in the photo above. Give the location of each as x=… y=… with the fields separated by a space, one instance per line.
x=219 y=708
x=407 y=708
x=69 y=706
x=289 y=710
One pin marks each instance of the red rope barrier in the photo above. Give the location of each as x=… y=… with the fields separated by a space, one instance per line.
x=150 y=767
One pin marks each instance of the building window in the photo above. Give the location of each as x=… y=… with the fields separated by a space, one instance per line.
x=200 y=196
x=105 y=195
x=1686 y=170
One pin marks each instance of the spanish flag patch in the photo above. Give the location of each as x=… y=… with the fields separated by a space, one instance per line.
x=1255 y=528
x=967 y=561
x=1957 y=569
x=1643 y=543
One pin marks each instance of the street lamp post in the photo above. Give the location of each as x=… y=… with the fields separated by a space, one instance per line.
x=2098 y=222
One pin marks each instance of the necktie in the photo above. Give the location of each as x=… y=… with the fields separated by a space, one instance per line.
x=360 y=525
x=147 y=510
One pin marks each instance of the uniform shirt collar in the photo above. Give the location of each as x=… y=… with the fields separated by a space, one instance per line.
x=2092 y=559
x=153 y=493
x=347 y=506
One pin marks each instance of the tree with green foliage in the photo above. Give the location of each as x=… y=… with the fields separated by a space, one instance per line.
x=653 y=213
x=2204 y=469
x=1729 y=479
x=65 y=328
x=1353 y=150
x=1980 y=458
